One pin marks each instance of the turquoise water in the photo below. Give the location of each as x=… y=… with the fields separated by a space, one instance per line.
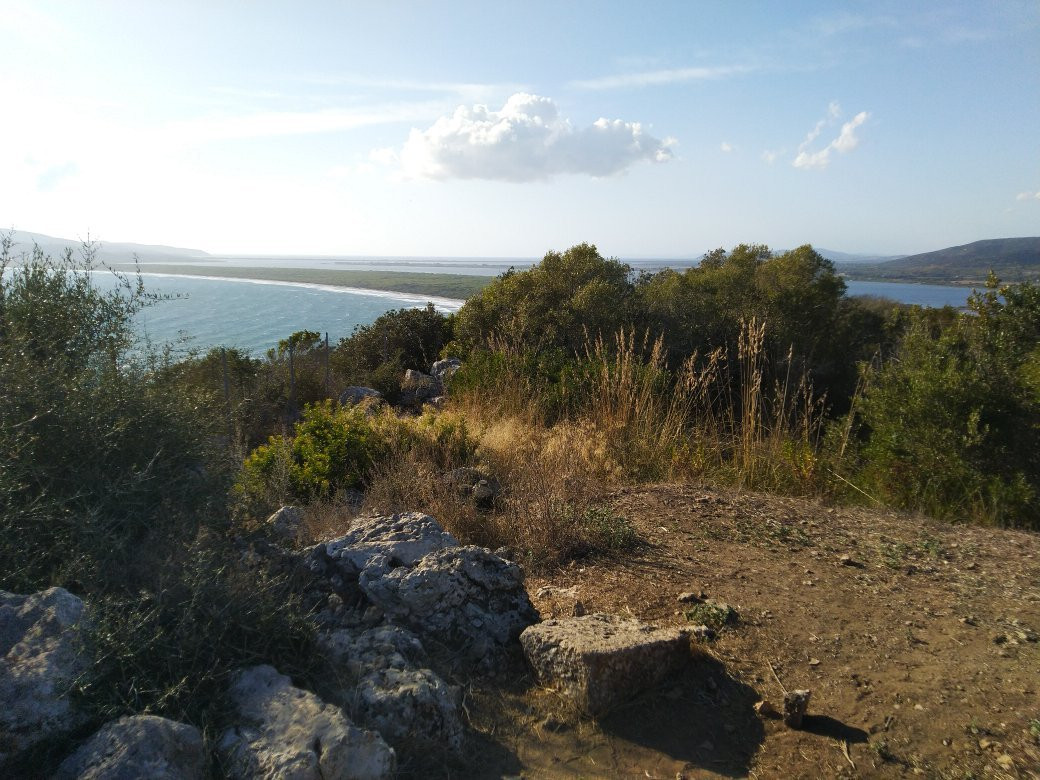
x=254 y=315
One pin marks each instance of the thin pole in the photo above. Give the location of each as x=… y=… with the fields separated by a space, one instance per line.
x=292 y=385
x=227 y=391
x=327 y=364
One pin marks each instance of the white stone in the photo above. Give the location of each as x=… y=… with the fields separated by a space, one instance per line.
x=288 y=733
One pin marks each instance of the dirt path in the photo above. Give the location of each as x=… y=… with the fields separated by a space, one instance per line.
x=920 y=647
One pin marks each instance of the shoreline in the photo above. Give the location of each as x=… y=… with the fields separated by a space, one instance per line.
x=440 y=303
x=448 y=289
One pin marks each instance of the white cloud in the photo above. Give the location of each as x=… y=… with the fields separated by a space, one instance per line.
x=726 y=146
x=526 y=140
x=770 y=155
x=1028 y=196
x=845 y=142
x=657 y=77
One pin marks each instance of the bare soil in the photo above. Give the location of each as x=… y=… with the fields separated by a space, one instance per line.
x=918 y=641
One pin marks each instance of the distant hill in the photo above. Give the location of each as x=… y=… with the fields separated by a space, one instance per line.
x=108 y=251
x=1012 y=259
x=844 y=257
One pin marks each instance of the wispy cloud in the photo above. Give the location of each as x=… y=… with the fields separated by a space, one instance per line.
x=845 y=142
x=726 y=146
x=286 y=123
x=525 y=140
x=841 y=23
x=464 y=90
x=1028 y=196
x=658 y=77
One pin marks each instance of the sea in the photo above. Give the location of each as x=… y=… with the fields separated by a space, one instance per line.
x=193 y=314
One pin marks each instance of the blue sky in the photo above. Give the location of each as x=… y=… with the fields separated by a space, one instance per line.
x=508 y=129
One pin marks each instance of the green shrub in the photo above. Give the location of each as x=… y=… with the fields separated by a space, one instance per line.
x=953 y=422
x=102 y=462
x=171 y=651
x=333 y=448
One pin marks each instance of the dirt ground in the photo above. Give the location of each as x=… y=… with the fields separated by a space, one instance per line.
x=918 y=641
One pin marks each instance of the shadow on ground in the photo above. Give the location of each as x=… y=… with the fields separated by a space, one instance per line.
x=703 y=718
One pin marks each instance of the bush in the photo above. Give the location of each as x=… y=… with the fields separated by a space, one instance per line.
x=378 y=355
x=101 y=461
x=333 y=448
x=558 y=303
x=953 y=421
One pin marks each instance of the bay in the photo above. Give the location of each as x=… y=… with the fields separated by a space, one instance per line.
x=202 y=312
x=253 y=315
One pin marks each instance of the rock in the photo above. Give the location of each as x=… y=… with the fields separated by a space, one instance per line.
x=796 y=704
x=475 y=484
x=286 y=732
x=40 y=657
x=599 y=660
x=393 y=695
x=691 y=598
x=444 y=370
x=138 y=746
x=464 y=597
x=402 y=538
x=355 y=395
x=286 y=523
x=417 y=388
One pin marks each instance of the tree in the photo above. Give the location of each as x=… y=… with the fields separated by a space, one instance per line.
x=559 y=303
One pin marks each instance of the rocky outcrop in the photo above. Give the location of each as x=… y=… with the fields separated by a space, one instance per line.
x=402 y=538
x=443 y=370
x=389 y=689
x=286 y=732
x=466 y=598
x=354 y=395
x=415 y=574
x=40 y=657
x=138 y=746
x=417 y=388
x=599 y=661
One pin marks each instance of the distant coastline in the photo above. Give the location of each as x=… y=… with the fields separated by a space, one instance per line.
x=451 y=289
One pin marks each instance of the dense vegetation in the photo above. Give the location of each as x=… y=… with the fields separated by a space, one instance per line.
x=138 y=481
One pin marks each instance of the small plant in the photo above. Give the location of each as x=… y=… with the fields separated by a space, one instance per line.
x=609 y=531
x=711 y=614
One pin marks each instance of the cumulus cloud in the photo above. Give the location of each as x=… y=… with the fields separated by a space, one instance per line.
x=726 y=146
x=845 y=142
x=526 y=140
x=1028 y=196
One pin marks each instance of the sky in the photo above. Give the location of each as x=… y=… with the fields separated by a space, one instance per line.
x=657 y=129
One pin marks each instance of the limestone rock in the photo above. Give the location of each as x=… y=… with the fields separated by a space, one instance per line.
x=354 y=395
x=286 y=732
x=417 y=388
x=286 y=522
x=467 y=598
x=445 y=369
x=393 y=694
x=599 y=660
x=403 y=538
x=138 y=746
x=40 y=657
